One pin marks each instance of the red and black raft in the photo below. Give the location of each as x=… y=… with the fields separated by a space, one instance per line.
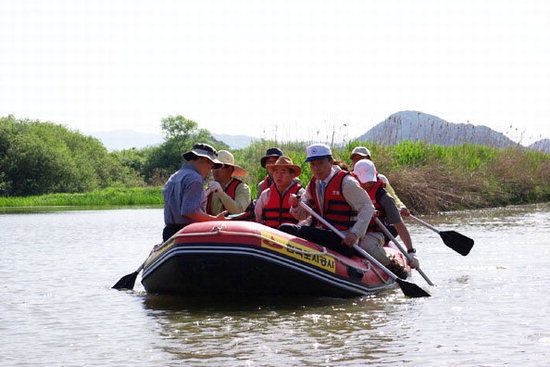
x=247 y=258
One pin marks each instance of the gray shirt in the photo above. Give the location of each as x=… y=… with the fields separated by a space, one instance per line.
x=182 y=195
x=392 y=212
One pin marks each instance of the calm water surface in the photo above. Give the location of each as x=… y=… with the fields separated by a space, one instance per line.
x=57 y=308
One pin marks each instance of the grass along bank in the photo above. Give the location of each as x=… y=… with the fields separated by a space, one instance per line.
x=105 y=197
x=427 y=178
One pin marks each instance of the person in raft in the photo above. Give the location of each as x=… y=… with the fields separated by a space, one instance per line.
x=388 y=213
x=273 y=206
x=226 y=193
x=359 y=153
x=336 y=195
x=184 y=190
x=270 y=157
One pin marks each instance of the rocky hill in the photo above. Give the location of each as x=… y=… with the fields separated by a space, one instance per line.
x=541 y=145
x=419 y=126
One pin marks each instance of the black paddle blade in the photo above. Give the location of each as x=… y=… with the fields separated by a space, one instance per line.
x=457 y=242
x=126 y=282
x=411 y=289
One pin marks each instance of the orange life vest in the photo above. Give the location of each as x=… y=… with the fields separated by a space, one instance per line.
x=336 y=209
x=267 y=181
x=229 y=190
x=375 y=192
x=277 y=209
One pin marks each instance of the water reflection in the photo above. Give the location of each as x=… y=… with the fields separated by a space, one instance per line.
x=273 y=330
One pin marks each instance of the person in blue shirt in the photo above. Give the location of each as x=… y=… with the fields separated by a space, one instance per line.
x=184 y=190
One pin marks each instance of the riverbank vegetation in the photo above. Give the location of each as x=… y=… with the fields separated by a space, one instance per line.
x=43 y=158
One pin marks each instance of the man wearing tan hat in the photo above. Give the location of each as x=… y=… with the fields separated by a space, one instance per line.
x=183 y=191
x=359 y=153
x=227 y=192
x=272 y=207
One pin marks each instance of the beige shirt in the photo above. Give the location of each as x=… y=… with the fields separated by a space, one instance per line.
x=221 y=200
x=356 y=197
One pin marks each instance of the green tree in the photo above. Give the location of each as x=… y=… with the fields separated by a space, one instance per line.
x=180 y=134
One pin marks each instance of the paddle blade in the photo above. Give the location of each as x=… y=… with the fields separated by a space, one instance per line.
x=457 y=242
x=411 y=289
x=127 y=281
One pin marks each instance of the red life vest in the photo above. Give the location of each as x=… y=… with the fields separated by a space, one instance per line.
x=277 y=209
x=267 y=181
x=375 y=191
x=229 y=190
x=336 y=209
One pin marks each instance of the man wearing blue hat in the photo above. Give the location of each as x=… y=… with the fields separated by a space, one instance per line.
x=337 y=197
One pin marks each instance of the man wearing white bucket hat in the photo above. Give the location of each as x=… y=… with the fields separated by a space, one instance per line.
x=183 y=191
x=337 y=197
x=359 y=153
x=388 y=213
x=226 y=192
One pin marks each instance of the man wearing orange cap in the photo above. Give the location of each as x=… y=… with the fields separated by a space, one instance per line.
x=273 y=206
x=227 y=192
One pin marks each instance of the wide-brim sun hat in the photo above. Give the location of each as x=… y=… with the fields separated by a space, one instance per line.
x=365 y=171
x=285 y=162
x=227 y=159
x=315 y=152
x=271 y=152
x=362 y=151
x=203 y=150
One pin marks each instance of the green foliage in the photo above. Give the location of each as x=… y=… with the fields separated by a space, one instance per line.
x=180 y=134
x=42 y=158
x=38 y=157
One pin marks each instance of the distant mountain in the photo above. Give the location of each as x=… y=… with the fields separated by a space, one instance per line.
x=419 y=126
x=235 y=141
x=541 y=145
x=126 y=139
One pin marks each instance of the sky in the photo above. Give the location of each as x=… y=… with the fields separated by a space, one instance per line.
x=276 y=69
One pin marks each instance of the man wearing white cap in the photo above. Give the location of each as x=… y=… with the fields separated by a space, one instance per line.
x=387 y=211
x=359 y=153
x=227 y=192
x=337 y=197
x=183 y=191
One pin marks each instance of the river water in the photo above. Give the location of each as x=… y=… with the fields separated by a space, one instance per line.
x=57 y=308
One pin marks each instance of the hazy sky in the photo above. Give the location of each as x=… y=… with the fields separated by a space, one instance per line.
x=290 y=67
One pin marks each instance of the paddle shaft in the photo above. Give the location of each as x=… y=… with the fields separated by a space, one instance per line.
x=394 y=240
x=342 y=236
x=409 y=289
x=428 y=225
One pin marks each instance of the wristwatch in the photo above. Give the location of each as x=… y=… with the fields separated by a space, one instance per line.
x=411 y=251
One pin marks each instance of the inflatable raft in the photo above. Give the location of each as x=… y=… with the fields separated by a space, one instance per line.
x=247 y=258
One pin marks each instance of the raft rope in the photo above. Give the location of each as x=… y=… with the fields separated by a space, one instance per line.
x=218 y=230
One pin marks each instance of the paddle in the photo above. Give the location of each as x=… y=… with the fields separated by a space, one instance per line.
x=452 y=239
x=394 y=240
x=128 y=281
x=409 y=289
